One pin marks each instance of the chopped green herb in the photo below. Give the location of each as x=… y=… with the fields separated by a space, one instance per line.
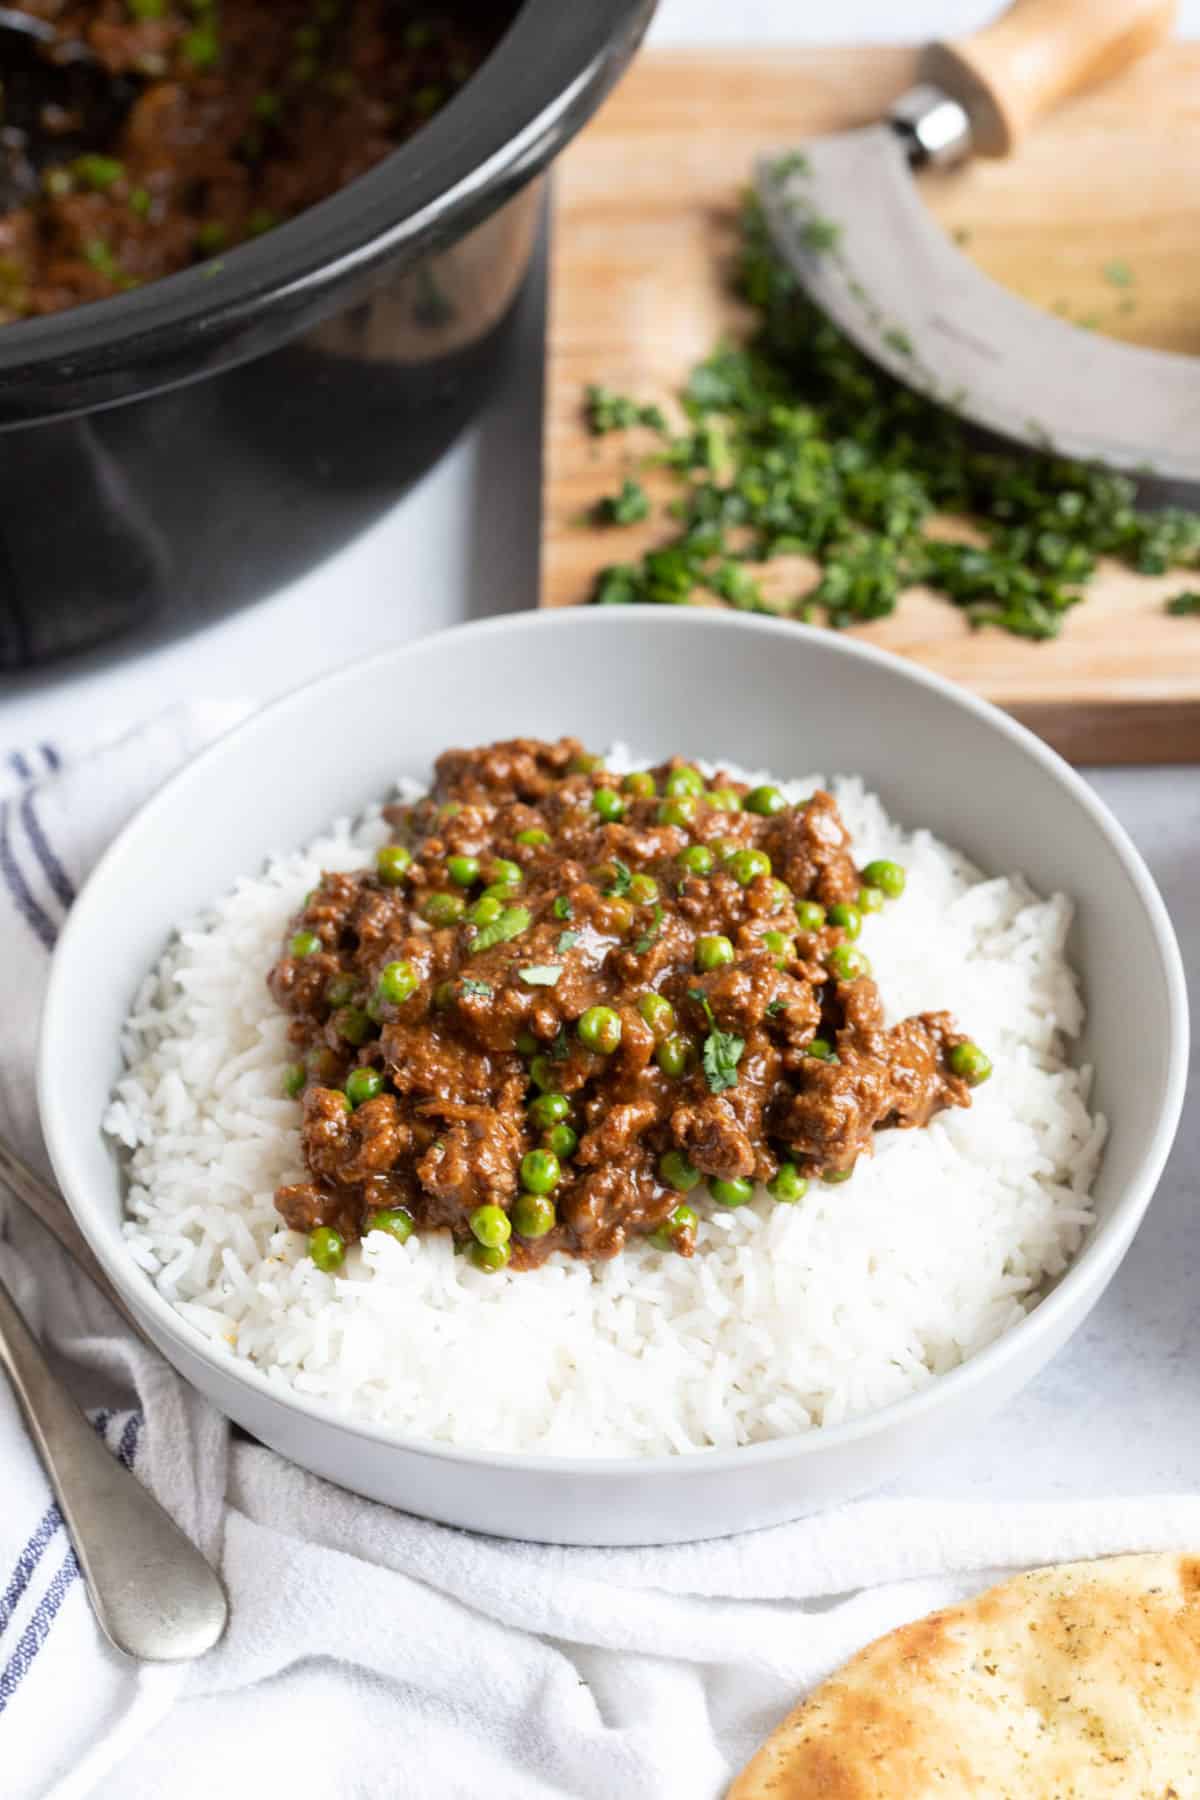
x=481 y=990
x=1181 y=606
x=511 y=923
x=722 y=1050
x=541 y=974
x=1118 y=274
x=824 y=455
x=100 y=256
x=562 y=908
x=202 y=47
x=820 y=234
x=794 y=162
x=775 y=1007
x=140 y=202
x=650 y=937
x=620 y=881
x=629 y=507
x=607 y=411
x=898 y=340
x=567 y=940
x=98 y=172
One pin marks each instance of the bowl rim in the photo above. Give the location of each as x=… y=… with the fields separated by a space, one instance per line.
x=539 y=82
x=1094 y=1262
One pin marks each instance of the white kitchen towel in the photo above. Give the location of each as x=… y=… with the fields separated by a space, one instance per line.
x=372 y=1654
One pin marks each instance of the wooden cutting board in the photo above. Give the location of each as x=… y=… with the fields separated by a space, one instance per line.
x=645 y=209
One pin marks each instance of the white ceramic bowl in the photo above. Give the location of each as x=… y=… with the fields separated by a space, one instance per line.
x=759 y=693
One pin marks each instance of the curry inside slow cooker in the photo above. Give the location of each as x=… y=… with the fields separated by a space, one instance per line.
x=224 y=118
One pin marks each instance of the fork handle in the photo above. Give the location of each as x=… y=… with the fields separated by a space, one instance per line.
x=154 y=1595
x=1038 y=53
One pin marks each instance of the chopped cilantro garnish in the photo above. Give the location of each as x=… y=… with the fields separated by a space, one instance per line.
x=1180 y=606
x=482 y=990
x=540 y=974
x=622 y=877
x=562 y=908
x=722 y=1050
x=511 y=923
x=650 y=937
x=607 y=411
x=567 y=940
x=629 y=507
x=797 y=444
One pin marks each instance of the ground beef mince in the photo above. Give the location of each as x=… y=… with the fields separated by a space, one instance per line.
x=562 y=998
x=246 y=112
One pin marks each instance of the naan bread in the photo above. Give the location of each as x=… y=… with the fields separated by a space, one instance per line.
x=1073 y=1683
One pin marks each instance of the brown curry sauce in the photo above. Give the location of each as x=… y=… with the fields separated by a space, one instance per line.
x=785 y=1057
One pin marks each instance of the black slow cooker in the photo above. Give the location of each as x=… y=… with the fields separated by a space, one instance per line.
x=202 y=440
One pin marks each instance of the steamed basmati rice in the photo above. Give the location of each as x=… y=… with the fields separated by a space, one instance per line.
x=788 y=1318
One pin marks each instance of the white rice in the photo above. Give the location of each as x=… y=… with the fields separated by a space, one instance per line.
x=788 y=1318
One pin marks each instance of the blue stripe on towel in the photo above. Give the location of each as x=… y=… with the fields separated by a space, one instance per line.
x=37 y=1630
x=35 y=1549
x=34 y=915
x=56 y=875
x=19 y=766
x=53 y=759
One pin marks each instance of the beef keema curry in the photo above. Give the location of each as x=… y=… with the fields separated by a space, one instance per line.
x=563 y=998
x=240 y=115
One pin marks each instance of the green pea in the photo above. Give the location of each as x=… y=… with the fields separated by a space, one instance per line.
x=327 y=1248
x=543 y=1074
x=697 y=859
x=870 y=899
x=847 y=963
x=781 y=895
x=548 y=1110
x=674 y=1055
x=562 y=1140
x=727 y=848
x=540 y=1171
x=534 y=837
x=641 y=784
x=970 y=1063
x=620 y=913
x=396 y=1221
x=724 y=800
x=821 y=1048
x=583 y=763
x=643 y=890
x=398 y=982
x=463 y=870
x=392 y=864
x=888 y=876
x=490 y=1225
x=363 y=1085
x=713 y=952
x=533 y=1215
x=679 y=1220
x=505 y=874
x=680 y=811
x=305 y=943
x=683 y=781
x=748 y=865
x=485 y=909
x=787 y=1183
x=443 y=909
x=608 y=803
x=353 y=1024
x=677 y=1172
x=339 y=989
x=848 y=917
x=832 y=1177
x=765 y=801
x=294 y=1077
x=490 y=1258
x=732 y=1193
x=658 y=1013
x=600 y=1029
x=809 y=916
x=779 y=945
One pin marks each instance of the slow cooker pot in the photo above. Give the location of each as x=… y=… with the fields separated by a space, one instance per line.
x=202 y=440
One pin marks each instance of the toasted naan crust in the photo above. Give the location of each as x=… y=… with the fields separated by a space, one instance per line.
x=1073 y=1683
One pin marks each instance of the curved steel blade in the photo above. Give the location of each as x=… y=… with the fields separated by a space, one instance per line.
x=897 y=287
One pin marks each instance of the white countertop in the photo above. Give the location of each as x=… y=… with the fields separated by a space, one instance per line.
x=1120 y=1409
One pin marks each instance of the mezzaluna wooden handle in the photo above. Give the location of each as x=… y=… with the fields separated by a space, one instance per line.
x=1038 y=53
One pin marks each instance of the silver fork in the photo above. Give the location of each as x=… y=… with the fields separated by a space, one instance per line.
x=154 y=1595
